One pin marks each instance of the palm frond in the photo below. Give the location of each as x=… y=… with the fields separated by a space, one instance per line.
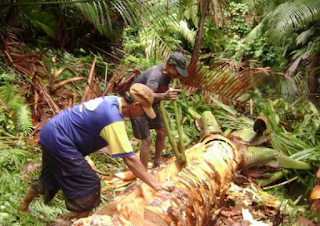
x=308 y=155
x=184 y=30
x=129 y=12
x=294 y=14
x=153 y=41
x=286 y=17
x=223 y=80
x=43 y=20
x=98 y=13
x=256 y=31
x=303 y=37
x=101 y=12
x=49 y=212
x=302 y=135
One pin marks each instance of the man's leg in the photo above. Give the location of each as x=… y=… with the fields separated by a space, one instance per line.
x=141 y=131
x=31 y=194
x=144 y=151
x=37 y=187
x=159 y=146
x=80 y=185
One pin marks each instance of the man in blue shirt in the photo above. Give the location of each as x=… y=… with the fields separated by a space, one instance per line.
x=78 y=131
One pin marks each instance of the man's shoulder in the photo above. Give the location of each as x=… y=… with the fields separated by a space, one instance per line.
x=93 y=104
x=154 y=71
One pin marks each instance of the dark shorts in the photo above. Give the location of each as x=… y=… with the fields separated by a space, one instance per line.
x=141 y=126
x=78 y=181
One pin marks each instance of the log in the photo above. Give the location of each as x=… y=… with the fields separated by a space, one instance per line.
x=199 y=187
x=207 y=175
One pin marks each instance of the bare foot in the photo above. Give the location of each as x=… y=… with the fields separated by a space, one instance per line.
x=157 y=164
x=23 y=208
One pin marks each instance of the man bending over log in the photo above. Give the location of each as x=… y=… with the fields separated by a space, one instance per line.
x=78 y=131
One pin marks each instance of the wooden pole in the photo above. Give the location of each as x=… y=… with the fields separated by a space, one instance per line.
x=89 y=81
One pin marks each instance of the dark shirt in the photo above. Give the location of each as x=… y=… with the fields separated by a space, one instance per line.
x=154 y=79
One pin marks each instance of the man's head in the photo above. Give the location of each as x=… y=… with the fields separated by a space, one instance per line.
x=140 y=97
x=176 y=65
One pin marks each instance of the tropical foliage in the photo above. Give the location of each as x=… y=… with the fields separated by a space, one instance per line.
x=251 y=58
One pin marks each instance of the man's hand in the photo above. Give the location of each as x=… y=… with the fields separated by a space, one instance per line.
x=166 y=186
x=171 y=94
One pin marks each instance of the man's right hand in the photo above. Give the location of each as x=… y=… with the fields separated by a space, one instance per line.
x=171 y=94
x=166 y=186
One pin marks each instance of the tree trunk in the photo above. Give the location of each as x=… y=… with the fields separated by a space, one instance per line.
x=197 y=44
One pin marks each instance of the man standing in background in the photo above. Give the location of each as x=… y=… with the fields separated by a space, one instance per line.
x=158 y=79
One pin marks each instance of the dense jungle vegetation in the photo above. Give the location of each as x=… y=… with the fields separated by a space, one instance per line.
x=246 y=59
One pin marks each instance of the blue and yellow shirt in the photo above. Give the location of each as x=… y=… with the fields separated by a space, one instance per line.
x=87 y=127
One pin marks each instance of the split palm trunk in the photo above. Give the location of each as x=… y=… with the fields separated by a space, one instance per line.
x=194 y=201
x=199 y=187
x=209 y=169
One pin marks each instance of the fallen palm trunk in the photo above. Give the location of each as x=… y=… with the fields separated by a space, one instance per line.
x=200 y=186
x=130 y=205
x=193 y=202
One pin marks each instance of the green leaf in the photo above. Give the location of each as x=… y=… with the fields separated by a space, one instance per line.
x=45 y=21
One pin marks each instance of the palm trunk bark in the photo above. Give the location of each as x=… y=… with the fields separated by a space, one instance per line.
x=207 y=176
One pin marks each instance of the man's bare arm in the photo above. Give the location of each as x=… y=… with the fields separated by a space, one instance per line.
x=135 y=165
x=170 y=94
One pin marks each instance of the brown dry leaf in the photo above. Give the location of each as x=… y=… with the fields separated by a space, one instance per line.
x=315 y=207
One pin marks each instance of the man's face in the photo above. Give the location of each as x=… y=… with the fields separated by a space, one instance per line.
x=136 y=110
x=172 y=71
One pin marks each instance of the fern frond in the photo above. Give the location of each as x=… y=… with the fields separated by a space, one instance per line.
x=8 y=92
x=49 y=212
x=24 y=120
x=12 y=159
x=18 y=111
x=7 y=77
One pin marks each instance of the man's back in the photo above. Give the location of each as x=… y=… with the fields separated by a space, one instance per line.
x=80 y=126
